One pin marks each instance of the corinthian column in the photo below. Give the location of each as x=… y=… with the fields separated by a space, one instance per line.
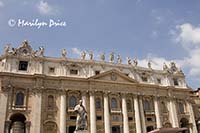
x=125 y=114
x=106 y=114
x=92 y=113
x=157 y=113
x=36 y=113
x=142 y=115
x=173 y=113
x=3 y=107
x=63 y=113
x=193 y=128
x=137 y=115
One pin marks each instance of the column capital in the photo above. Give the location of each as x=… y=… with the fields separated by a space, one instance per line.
x=91 y=93
x=106 y=93
x=84 y=92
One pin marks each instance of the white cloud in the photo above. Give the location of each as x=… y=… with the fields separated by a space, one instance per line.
x=188 y=34
x=1 y=4
x=189 y=37
x=45 y=8
x=76 y=51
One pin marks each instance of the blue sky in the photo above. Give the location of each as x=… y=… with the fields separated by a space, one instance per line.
x=155 y=30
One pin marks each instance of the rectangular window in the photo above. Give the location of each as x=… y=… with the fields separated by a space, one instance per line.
x=130 y=118
x=175 y=82
x=159 y=80
x=51 y=69
x=144 y=79
x=74 y=72
x=23 y=65
x=97 y=72
x=99 y=118
x=149 y=119
x=72 y=117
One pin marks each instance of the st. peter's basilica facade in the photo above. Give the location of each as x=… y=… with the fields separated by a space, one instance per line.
x=38 y=94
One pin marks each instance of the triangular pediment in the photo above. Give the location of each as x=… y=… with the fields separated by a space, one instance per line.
x=113 y=76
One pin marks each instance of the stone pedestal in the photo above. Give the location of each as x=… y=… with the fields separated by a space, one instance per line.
x=83 y=131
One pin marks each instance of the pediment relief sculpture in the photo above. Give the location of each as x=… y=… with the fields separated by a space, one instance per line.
x=113 y=76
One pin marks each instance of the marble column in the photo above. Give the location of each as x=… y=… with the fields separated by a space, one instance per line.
x=143 y=118
x=125 y=115
x=92 y=113
x=63 y=113
x=193 y=128
x=36 y=113
x=157 y=113
x=106 y=113
x=3 y=108
x=137 y=115
x=173 y=113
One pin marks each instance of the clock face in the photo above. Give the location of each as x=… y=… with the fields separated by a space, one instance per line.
x=113 y=76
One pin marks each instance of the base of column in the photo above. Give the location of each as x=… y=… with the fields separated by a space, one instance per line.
x=83 y=131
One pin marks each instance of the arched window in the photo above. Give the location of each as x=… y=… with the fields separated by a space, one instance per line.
x=19 y=99
x=181 y=107
x=129 y=107
x=114 y=103
x=98 y=103
x=50 y=101
x=72 y=101
x=147 y=105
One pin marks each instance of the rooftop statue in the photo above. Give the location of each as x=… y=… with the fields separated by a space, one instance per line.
x=165 y=67
x=34 y=53
x=90 y=55
x=41 y=51
x=6 y=49
x=102 y=56
x=128 y=60
x=173 y=67
x=112 y=57
x=83 y=54
x=119 y=60
x=81 y=120
x=149 y=64
x=64 y=53
x=135 y=62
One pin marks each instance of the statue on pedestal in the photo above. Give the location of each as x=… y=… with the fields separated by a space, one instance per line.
x=81 y=120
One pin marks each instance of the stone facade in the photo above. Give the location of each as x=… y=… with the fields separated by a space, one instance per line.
x=38 y=94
